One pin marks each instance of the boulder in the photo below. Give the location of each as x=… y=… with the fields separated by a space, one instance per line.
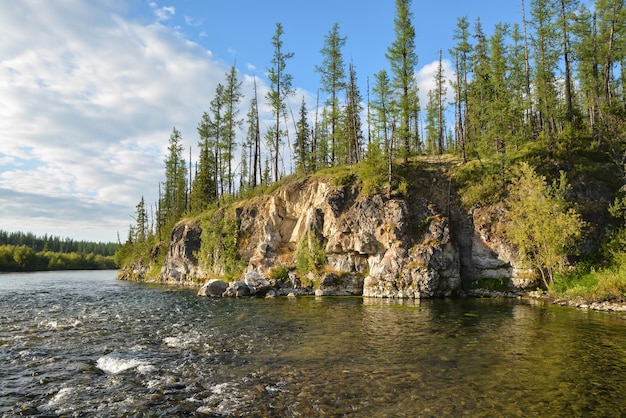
x=258 y=284
x=237 y=289
x=213 y=288
x=340 y=285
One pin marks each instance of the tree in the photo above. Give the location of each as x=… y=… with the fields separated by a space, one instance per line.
x=499 y=123
x=141 y=221
x=204 y=188
x=441 y=89
x=543 y=227
x=520 y=100
x=216 y=132
x=382 y=106
x=302 y=144
x=479 y=92
x=567 y=7
x=352 y=131
x=280 y=90
x=546 y=59
x=333 y=80
x=462 y=53
x=403 y=60
x=232 y=97
x=173 y=201
x=432 y=124
x=250 y=145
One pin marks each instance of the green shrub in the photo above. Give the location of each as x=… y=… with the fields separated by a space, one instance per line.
x=310 y=254
x=278 y=273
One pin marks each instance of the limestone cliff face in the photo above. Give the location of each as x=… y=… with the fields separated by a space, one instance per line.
x=395 y=247
x=181 y=264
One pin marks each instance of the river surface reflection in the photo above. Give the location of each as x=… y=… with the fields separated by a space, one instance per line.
x=84 y=344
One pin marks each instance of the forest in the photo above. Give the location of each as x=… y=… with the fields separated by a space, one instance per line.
x=535 y=102
x=25 y=251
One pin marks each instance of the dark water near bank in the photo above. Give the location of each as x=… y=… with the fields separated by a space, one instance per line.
x=84 y=344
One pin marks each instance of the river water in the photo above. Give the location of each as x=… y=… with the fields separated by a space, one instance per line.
x=83 y=344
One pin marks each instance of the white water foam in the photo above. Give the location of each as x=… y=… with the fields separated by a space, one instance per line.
x=114 y=365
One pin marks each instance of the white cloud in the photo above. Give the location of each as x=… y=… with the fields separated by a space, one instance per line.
x=89 y=102
x=164 y=13
x=193 y=22
x=425 y=78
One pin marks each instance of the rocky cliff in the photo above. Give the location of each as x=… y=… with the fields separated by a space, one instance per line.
x=413 y=245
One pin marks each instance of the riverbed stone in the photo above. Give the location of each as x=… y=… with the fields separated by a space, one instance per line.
x=237 y=289
x=259 y=285
x=213 y=288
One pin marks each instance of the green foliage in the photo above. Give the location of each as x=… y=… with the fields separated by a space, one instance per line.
x=593 y=285
x=56 y=244
x=24 y=258
x=279 y=273
x=218 y=250
x=480 y=183
x=373 y=169
x=310 y=255
x=542 y=226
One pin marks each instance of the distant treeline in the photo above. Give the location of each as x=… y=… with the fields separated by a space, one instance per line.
x=23 y=258
x=24 y=251
x=56 y=244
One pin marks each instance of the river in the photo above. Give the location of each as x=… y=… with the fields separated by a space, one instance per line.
x=84 y=344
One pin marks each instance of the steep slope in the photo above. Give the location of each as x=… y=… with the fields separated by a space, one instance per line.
x=421 y=243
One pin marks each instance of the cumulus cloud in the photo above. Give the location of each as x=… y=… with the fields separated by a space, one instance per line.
x=163 y=13
x=89 y=102
x=425 y=78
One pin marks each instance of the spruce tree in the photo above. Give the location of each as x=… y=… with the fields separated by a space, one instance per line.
x=352 y=131
x=173 y=202
x=279 y=92
x=203 y=189
x=333 y=81
x=232 y=97
x=302 y=145
x=403 y=60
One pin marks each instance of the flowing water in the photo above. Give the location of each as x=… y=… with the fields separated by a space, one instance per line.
x=84 y=344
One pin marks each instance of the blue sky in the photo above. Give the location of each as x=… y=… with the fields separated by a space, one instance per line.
x=91 y=89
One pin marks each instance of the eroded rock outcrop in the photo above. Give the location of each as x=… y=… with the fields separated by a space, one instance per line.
x=393 y=247
x=181 y=263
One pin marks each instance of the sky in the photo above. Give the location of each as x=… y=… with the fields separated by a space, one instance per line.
x=91 y=90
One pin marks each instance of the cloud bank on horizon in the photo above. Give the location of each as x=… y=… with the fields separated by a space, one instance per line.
x=89 y=99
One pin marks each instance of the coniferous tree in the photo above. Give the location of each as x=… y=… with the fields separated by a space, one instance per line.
x=567 y=8
x=499 y=110
x=441 y=89
x=252 y=143
x=216 y=130
x=232 y=97
x=141 y=222
x=381 y=107
x=280 y=90
x=333 y=81
x=204 y=188
x=353 y=133
x=462 y=52
x=545 y=59
x=479 y=91
x=520 y=102
x=173 y=201
x=302 y=144
x=403 y=60
x=432 y=122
